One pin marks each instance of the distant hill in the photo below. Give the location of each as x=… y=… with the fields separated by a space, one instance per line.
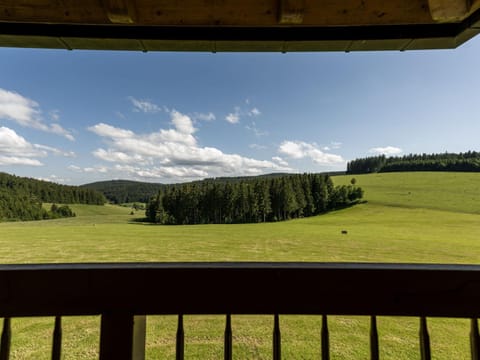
x=461 y=162
x=21 y=198
x=128 y=191
x=125 y=191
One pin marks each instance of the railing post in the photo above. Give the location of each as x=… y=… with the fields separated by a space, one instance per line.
x=57 y=339
x=424 y=340
x=277 y=343
x=180 y=342
x=228 y=339
x=325 y=339
x=474 y=339
x=374 y=353
x=5 y=340
x=122 y=337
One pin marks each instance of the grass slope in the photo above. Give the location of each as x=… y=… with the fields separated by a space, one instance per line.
x=450 y=191
x=438 y=222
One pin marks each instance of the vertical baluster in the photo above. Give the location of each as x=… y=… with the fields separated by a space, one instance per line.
x=5 y=340
x=277 y=351
x=228 y=339
x=474 y=340
x=180 y=353
x=325 y=339
x=424 y=340
x=57 y=339
x=374 y=353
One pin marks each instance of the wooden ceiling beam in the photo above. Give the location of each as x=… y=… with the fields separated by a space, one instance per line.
x=291 y=11
x=452 y=10
x=120 y=11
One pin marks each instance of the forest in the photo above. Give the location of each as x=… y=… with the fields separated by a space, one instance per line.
x=22 y=198
x=466 y=162
x=125 y=191
x=215 y=201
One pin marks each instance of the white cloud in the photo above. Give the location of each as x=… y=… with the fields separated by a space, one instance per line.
x=15 y=150
x=145 y=106
x=54 y=115
x=13 y=160
x=27 y=113
x=387 y=150
x=233 y=118
x=204 y=117
x=57 y=129
x=54 y=179
x=279 y=161
x=300 y=150
x=254 y=112
x=55 y=151
x=74 y=168
x=257 y=146
x=172 y=153
x=253 y=128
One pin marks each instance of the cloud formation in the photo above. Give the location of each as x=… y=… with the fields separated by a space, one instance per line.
x=15 y=150
x=301 y=150
x=145 y=106
x=172 y=153
x=387 y=150
x=233 y=117
x=204 y=117
x=27 y=113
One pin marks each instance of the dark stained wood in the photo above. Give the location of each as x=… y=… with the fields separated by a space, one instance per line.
x=277 y=339
x=122 y=336
x=325 y=342
x=5 y=340
x=374 y=353
x=180 y=341
x=227 y=346
x=286 y=288
x=474 y=339
x=57 y=339
x=425 y=353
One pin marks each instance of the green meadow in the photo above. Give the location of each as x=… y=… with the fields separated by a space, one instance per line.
x=407 y=217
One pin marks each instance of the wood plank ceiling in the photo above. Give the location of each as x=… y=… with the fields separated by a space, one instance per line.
x=239 y=25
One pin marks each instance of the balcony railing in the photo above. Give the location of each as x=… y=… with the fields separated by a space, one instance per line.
x=123 y=294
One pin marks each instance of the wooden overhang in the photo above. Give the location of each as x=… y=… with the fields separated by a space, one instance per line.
x=238 y=25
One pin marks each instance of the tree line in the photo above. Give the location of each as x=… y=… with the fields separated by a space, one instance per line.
x=467 y=162
x=125 y=191
x=22 y=198
x=249 y=200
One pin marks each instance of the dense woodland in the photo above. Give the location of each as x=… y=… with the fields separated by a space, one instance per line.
x=249 y=200
x=21 y=198
x=125 y=191
x=468 y=161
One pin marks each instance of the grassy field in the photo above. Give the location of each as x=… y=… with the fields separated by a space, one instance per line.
x=409 y=217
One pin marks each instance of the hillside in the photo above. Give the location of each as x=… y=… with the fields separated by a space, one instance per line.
x=21 y=198
x=128 y=191
x=465 y=162
x=448 y=191
x=125 y=191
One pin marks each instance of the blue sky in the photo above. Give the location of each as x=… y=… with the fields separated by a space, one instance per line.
x=81 y=116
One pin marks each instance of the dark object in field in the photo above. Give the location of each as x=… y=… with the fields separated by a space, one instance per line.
x=345 y=232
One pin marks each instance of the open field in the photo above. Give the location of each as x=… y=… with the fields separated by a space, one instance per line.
x=409 y=217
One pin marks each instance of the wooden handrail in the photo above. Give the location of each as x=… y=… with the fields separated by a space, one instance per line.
x=220 y=288
x=124 y=293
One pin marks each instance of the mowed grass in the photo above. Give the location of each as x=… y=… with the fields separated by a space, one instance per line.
x=409 y=217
